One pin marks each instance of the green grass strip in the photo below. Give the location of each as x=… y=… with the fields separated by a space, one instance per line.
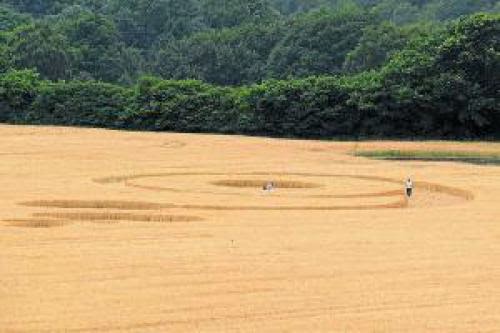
x=438 y=156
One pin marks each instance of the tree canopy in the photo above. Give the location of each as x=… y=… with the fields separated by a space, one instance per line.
x=302 y=68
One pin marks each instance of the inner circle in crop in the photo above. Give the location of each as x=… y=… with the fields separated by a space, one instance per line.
x=257 y=183
x=301 y=186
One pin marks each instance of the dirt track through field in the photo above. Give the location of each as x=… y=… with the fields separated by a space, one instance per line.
x=146 y=232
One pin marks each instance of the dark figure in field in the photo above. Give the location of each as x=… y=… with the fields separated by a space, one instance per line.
x=268 y=187
x=409 y=188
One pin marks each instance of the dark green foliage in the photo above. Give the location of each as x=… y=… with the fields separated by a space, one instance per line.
x=433 y=80
x=18 y=90
x=450 y=80
x=10 y=19
x=42 y=7
x=311 y=44
x=78 y=104
x=380 y=41
x=231 y=13
x=24 y=98
x=187 y=106
x=42 y=48
x=407 y=11
x=227 y=57
x=144 y=23
x=100 y=54
x=228 y=42
x=317 y=44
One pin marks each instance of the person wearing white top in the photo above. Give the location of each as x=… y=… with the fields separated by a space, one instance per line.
x=268 y=187
x=409 y=187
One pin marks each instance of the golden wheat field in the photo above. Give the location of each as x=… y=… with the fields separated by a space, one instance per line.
x=106 y=231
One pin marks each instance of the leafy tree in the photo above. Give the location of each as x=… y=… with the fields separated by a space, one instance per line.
x=40 y=7
x=317 y=43
x=101 y=54
x=17 y=91
x=397 y=12
x=228 y=56
x=231 y=13
x=78 y=103
x=347 y=68
x=471 y=54
x=39 y=46
x=10 y=19
x=450 y=9
x=96 y=39
x=380 y=41
x=145 y=22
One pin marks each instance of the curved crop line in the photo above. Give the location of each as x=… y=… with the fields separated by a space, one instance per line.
x=95 y=204
x=173 y=144
x=128 y=181
x=162 y=218
x=35 y=223
x=109 y=216
x=132 y=205
x=256 y=183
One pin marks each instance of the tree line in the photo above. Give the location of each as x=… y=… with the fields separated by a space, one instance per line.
x=315 y=69
x=226 y=42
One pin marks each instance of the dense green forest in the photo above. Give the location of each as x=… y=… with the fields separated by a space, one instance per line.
x=293 y=68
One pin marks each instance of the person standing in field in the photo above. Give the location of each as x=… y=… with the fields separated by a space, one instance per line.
x=409 y=187
x=268 y=187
